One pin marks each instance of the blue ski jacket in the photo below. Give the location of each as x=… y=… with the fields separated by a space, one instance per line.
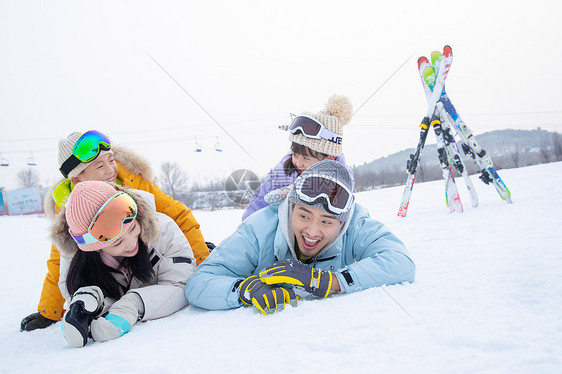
x=365 y=254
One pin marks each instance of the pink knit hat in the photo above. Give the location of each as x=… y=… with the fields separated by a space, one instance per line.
x=83 y=203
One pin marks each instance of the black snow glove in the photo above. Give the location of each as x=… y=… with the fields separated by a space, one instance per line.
x=86 y=304
x=35 y=321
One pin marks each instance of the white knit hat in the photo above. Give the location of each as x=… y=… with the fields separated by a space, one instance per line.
x=65 y=151
x=336 y=115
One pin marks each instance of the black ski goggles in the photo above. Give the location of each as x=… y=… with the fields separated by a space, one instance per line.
x=336 y=197
x=86 y=149
x=313 y=129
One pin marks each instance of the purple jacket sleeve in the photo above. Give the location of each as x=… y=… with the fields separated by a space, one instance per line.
x=275 y=179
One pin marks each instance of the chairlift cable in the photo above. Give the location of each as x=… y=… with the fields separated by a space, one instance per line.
x=202 y=108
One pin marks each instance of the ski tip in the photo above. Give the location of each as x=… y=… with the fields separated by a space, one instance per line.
x=435 y=57
x=428 y=76
x=447 y=51
x=422 y=60
x=423 y=66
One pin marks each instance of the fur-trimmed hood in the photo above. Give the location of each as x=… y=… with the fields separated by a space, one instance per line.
x=145 y=217
x=133 y=162
x=126 y=158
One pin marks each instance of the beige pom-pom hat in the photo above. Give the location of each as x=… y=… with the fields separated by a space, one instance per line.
x=337 y=114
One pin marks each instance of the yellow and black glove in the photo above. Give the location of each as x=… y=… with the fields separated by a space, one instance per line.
x=315 y=281
x=267 y=298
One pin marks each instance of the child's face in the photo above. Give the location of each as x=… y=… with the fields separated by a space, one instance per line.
x=102 y=169
x=302 y=162
x=127 y=245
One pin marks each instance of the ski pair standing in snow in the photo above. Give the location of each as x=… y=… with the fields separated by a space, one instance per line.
x=121 y=262
x=431 y=119
x=92 y=156
x=450 y=148
x=470 y=145
x=317 y=239
x=432 y=75
x=314 y=137
x=432 y=87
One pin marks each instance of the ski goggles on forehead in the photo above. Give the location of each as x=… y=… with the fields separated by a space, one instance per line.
x=86 y=149
x=313 y=129
x=337 y=197
x=108 y=222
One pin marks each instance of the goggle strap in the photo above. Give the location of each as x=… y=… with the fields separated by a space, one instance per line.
x=69 y=165
x=330 y=135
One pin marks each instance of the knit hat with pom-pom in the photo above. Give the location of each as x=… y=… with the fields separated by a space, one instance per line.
x=83 y=203
x=337 y=114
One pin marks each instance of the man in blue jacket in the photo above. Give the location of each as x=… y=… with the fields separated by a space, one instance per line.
x=318 y=239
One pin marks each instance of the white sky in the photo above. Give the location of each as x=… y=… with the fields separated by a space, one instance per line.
x=75 y=65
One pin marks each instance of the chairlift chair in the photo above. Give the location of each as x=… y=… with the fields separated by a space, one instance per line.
x=197 y=146
x=4 y=161
x=31 y=161
x=218 y=147
x=286 y=127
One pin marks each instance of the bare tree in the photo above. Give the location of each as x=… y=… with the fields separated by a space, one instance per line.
x=557 y=146
x=173 y=179
x=544 y=151
x=515 y=157
x=28 y=177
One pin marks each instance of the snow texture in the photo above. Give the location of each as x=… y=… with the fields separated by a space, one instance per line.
x=487 y=299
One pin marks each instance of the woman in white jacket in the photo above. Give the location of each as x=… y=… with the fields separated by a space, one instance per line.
x=121 y=262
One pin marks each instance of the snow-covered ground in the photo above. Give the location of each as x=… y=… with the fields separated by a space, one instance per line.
x=487 y=299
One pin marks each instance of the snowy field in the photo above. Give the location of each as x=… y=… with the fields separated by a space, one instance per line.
x=487 y=299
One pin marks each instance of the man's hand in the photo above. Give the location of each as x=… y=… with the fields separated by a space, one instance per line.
x=268 y=299
x=317 y=282
x=35 y=321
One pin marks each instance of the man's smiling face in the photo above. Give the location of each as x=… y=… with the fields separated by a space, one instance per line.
x=313 y=228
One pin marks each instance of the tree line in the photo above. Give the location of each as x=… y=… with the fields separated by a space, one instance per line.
x=213 y=194
x=550 y=150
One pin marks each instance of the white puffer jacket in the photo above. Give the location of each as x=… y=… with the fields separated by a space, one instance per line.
x=169 y=251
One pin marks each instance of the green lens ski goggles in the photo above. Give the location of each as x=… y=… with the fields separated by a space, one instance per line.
x=86 y=149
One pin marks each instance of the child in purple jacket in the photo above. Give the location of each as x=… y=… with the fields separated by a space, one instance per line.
x=315 y=137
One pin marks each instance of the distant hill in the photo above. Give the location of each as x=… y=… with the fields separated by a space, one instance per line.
x=508 y=149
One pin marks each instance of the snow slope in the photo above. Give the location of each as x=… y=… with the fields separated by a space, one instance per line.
x=487 y=299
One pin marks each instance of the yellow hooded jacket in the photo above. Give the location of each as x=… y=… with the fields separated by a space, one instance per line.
x=134 y=172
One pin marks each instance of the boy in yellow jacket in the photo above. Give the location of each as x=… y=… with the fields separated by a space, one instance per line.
x=105 y=163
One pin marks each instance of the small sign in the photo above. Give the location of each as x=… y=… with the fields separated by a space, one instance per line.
x=24 y=201
x=3 y=210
